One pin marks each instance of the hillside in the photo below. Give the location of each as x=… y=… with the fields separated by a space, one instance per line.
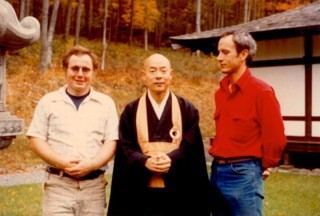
x=195 y=78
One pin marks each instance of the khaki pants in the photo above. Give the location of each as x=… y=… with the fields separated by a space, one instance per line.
x=65 y=196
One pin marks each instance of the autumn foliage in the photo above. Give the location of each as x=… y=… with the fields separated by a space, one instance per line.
x=195 y=78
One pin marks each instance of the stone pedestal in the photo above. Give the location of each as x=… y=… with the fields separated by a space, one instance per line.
x=10 y=127
x=14 y=34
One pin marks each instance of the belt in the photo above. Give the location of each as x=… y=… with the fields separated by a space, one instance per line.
x=92 y=175
x=231 y=160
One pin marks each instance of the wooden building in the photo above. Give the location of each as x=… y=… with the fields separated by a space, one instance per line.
x=288 y=58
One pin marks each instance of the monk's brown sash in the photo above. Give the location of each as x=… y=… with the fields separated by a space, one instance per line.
x=154 y=148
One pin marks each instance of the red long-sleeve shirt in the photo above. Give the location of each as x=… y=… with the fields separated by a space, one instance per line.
x=248 y=121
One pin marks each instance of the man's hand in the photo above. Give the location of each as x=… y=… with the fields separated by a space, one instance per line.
x=78 y=167
x=69 y=161
x=159 y=163
x=265 y=173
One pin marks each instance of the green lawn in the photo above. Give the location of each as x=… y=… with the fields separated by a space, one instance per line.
x=292 y=195
x=285 y=195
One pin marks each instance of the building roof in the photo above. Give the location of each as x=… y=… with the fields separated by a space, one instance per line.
x=285 y=24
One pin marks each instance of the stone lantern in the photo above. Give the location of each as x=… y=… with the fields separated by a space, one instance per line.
x=14 y=34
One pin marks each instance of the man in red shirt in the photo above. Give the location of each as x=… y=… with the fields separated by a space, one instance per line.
x=249 y=130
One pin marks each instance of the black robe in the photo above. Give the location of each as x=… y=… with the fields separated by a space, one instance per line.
x=187 y=182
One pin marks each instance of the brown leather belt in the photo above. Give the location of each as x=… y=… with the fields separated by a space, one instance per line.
x=232 y=160
x=92 y=175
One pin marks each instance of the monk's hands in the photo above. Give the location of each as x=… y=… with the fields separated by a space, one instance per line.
x=159 y=163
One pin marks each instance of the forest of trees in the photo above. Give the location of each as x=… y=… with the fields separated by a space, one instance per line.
x=141 y=22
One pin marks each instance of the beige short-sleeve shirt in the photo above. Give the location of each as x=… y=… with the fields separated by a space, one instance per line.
x=71 y=131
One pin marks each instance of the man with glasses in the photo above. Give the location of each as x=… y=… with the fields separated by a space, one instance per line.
x=74 y=130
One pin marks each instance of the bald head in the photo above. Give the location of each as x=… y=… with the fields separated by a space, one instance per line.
x=157 y=59
x=157 y=75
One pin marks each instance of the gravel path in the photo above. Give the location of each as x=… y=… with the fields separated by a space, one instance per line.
x=31 y=177
x=34 y=175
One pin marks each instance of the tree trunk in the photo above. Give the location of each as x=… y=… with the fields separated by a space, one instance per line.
x=117 y=27
x=209 y=22
x=104 y=41
x=198 y=21
x=215 y=15
x=89 y=14
x=255 y=9
x=219 y=18
x=146 y=40
x=22 y=9
x=27 y=8
x=198 y=17
x=53 y=22
x=68 y=21
x=47 y=33
x=160 y=25
x=131 y=22
x=222 y=18
x=78 y=23
x=245 y=11
x=44 y=36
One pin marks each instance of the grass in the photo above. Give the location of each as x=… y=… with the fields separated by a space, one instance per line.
x=292 y=195
x=18 y=157
x=25 y=200
x=285 y=195
x=21 y=200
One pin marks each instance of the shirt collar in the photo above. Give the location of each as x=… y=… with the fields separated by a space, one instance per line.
x=94 y=95
x=241 y=83
x=153 y=101
x=244 y=80
x=158 y=108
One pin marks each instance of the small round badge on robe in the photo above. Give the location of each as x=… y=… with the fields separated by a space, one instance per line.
x=175 y=133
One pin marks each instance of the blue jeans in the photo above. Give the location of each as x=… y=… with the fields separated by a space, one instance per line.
x=237 y=188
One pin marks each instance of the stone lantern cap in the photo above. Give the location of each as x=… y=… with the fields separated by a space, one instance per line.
x=14 y=34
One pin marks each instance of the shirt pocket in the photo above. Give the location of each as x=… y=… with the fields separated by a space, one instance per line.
x=241 y=129
x=60 y=125
x=96 y=126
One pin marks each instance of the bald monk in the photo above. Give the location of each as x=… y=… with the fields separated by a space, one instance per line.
x=159 y=168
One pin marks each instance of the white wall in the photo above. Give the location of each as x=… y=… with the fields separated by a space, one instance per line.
x=316 y=90
x=289 y=81
x=289 y=85
x=316 y=98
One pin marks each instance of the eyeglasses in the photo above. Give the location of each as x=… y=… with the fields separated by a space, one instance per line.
x=76 y=69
